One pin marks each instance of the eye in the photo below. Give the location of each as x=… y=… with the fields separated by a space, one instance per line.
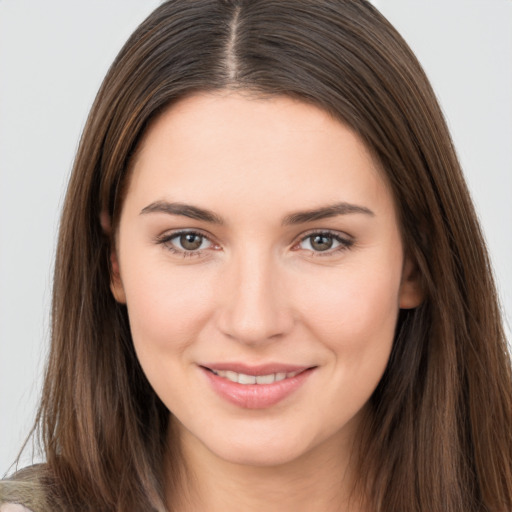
x=187 y=243
x=190 y=241
x=324 y=242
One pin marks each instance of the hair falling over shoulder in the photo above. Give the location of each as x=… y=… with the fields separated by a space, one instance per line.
x=438 y=433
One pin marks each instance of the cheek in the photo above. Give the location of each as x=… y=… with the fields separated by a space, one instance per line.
x=355 y=318
x=167 y=307
x=355 y=311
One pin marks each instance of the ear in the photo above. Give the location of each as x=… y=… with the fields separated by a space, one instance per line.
x=116 y=284
x=411 y=289
x=105 y=222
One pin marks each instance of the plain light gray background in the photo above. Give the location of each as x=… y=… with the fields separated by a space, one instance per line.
x=53 y=56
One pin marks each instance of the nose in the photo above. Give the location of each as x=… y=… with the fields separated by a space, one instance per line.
x=256 y=308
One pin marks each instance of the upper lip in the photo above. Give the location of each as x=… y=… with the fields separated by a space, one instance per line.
x=259 y=369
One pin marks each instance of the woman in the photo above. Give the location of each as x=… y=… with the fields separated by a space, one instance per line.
x=265 y=291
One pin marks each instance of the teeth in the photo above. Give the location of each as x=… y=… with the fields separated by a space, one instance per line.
x=242 y=378
x=230 y=376
x=246 y=379
x=265 y=379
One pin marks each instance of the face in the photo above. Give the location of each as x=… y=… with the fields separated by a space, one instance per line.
x=259 y=256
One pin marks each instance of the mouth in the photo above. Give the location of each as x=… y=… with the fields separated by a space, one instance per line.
x=245 y=379
x=256 y=387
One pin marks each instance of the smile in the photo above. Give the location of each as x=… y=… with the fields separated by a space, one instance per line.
x=243 y=378
x=256 y=387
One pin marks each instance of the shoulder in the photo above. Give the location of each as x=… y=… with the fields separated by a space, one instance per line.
x=25 y=491
x=13 y=507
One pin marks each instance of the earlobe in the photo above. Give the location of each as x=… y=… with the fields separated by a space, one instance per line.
x=411 y=288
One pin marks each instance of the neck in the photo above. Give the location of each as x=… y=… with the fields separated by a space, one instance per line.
x=320 y=480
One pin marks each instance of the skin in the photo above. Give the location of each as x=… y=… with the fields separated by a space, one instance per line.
x=259 y=291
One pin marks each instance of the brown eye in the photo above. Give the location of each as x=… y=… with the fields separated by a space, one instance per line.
x=190 y=241
x=186 y=243
x=321 y=242
x=325 y=242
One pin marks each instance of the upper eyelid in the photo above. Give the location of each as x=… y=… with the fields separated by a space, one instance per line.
x=334 y=233
x=167 y=235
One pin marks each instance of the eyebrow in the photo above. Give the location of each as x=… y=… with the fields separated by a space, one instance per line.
x=194 y=212
x=185 y=210
x=325 y=212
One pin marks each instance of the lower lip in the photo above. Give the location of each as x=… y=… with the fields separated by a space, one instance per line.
x=256 y=396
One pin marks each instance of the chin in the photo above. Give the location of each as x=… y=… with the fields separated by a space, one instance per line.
x=258 y=455
x=260 y=445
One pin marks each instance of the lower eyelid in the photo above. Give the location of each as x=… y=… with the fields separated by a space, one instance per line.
x=184 y=253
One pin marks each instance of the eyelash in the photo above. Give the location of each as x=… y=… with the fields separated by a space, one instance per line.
x=345 y=243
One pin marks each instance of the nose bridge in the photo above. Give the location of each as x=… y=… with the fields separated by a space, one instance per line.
x=255 y=309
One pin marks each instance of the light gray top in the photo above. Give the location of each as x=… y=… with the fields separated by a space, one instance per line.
x=24 y=492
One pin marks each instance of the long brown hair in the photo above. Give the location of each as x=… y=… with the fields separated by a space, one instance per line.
x=438 y=434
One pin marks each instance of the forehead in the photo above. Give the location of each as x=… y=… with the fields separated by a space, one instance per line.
x=257 y=150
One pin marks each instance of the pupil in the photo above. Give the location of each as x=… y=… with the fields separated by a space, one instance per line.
x=190 y=241
x=321 y=242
